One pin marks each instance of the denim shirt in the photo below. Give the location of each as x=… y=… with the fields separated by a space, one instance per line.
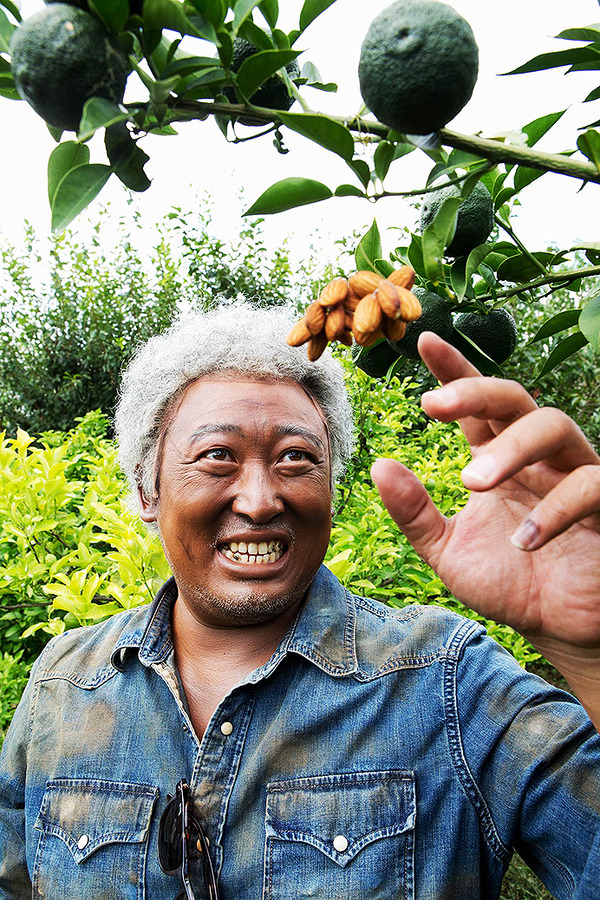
x=378 y=754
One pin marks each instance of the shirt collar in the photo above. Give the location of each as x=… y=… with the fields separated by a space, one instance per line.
x=323 y=632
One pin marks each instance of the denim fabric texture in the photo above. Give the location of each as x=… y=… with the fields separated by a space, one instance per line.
x=378 y=754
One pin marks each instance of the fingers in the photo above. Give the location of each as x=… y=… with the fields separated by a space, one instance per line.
x=574 y=499
x=543 y=435
x=483 y=406
x=443 y=360
x=411 y=507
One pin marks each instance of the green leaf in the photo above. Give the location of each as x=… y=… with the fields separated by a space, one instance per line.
x=415 y=254
x=525 y=176
x=75 y=191
x=270 y=10
x=589 y=322
x=188 y=65
x=348 y=190
x=322 y=130
x=63 y=158
x=485 y=364
x=369 y=249
x=311 y=10
x=6 y=31
x=361 y=170
x=538 y=128
x=13 y=8
x=99 y=113
x=556 y=59
x=589 y=33
x=255 y=70
x=593 y=95
x=159 y=14
x=520 y=268
x=287 y=194
x=126 y=157
x=563 y=350
x=589 y=144
x=114 y=13
x=214 y=11
x=383 y=158
x=464 y=269
x=555 y=324
x=437 y=236
x=242 y=10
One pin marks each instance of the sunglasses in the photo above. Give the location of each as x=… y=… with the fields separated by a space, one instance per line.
x=176 y=828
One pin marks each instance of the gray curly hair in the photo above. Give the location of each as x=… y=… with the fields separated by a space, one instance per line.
x=235 y=339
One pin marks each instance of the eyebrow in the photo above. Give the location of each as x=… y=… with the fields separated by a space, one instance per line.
x=283 y=431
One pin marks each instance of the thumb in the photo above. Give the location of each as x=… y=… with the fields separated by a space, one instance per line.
x=411 y=507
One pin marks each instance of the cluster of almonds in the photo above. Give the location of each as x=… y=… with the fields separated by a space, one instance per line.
x=365 y=306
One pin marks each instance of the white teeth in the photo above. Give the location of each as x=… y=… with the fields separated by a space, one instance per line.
x=251 y=553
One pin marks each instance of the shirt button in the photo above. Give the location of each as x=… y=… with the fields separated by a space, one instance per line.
x=226 y=728
x=340 y=843
x=83 y=841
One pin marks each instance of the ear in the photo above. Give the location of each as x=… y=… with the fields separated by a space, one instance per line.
x=149 y=508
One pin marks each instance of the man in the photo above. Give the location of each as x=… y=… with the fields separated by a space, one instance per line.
x=258 y=731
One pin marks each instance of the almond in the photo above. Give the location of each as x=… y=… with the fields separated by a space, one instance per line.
x=316 y=345
x=410 y=306
x=364 y=282
x=367 y=340
x=367 y=315
x=335 y=324
x=334 y=292
x=352 y=300
x=403 y=277
x=299 y=334
x=315 y=317
x=346 y=337
x=389 y=299
x=394 y=329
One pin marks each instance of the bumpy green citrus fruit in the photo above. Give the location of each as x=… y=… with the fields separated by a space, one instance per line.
x=418 y=65
x=495 y=333
x=436 y=317
x=474 y=222
x=61 y=57
x=375 y=360
x=273 y=94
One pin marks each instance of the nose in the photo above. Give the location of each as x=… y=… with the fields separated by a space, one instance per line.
x=257 y=494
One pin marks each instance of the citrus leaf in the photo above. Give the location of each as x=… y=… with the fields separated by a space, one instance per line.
x=159 y=14
x=63 y=158
x=415 y=254
x=555 y=324
x=465 y=267
x=538 y=127
x=563 y=350
x=369 y=249
x=520 y=268
x=589 y=33
x=187 y=65
x=242 y=10
x=383 y=158
x=270 y=10
x=212 y=10
x=322 y=130
x=6 y=30
x=348 y=190
x=99 y=113
x=593 y=95
x=589 y=144
x=287 y=194
x=257 y=68
x=556 y=59
x=311 y=10
x=361 y=170
x=485 y=364
x=13 y=8
x=589 y=322
x=437 y=236
x=75 y=191
x=525 y=176
x=114 y=13
x=126 y=157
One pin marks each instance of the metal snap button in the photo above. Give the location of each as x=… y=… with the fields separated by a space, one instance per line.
x=226 y=728
x=340 y=843
x=83 y=841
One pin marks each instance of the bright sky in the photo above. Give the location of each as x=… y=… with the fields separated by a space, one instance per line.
x=200 y=160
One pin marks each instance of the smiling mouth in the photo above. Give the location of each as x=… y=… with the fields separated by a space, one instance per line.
x=251 y=553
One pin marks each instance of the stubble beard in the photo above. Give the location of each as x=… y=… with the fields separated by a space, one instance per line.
x=253 y=607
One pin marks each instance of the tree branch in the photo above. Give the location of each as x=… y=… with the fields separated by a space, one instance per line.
x=586 y=272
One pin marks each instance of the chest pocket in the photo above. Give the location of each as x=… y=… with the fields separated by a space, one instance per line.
x=347 y=836
x=93 y=840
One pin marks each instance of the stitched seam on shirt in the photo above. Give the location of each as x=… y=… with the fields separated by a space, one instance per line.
x=457 y=752
x=555 y=863
x=405 y=615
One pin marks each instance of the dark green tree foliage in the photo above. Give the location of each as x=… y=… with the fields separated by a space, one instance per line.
x=72 y=315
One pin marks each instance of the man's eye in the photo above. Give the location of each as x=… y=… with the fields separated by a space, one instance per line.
x=219 y=454
x=295 y=455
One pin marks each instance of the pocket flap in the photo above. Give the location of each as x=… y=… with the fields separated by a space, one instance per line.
x=86 y=814
x=341 y=814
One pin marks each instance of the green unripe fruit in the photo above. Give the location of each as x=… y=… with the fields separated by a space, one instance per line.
x=474 y=222
x=495 y=333
x=60 y=58
x=436 y=317
x=273 y=94
x=375 y=360
x=418 y=65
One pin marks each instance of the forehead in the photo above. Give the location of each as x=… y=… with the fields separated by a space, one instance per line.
x=247 y=403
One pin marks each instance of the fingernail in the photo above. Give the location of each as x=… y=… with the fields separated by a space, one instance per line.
x=446 y=394
x=482 y=468
x=526 y=535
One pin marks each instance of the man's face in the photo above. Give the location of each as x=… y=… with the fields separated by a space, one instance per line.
x=244 y=498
